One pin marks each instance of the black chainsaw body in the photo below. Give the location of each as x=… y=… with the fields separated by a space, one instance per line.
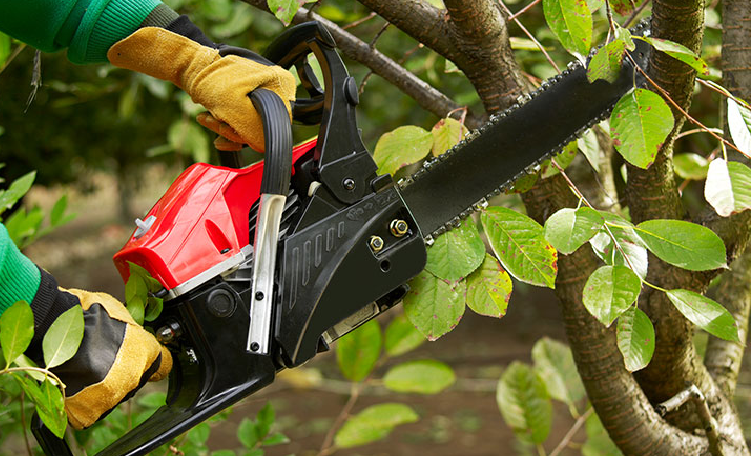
x=330 y=277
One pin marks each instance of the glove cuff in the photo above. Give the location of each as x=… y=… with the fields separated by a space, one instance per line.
x=48 y=304
x=183 y=26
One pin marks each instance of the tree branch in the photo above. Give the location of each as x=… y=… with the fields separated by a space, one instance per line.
x=423 y=93
x=723 y=358
x=619 y=402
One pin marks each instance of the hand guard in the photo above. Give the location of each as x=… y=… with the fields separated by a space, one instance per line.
x=215 y=78
x=116 y=356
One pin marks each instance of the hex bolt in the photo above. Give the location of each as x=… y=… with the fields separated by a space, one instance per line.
x=376 y=243
x=259 y=295
x=398 y=227
x=254 y=346
x=348 y=183
x=165 y=334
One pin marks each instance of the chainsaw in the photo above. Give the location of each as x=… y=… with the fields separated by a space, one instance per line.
x=265 y=266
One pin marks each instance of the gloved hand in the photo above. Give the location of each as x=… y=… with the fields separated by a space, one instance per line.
x=215 y=76
x=116 y=356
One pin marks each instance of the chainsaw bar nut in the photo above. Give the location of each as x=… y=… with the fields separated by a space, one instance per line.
x=376 y=243
x=398 y=227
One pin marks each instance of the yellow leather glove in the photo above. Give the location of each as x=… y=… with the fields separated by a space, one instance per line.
x=116 y=356
x=220 y=84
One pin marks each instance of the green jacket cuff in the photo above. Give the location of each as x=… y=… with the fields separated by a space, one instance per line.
x=105 y=23
x=19 y=277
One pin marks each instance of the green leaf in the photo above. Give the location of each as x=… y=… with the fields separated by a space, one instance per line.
x=524 y=403
x=678 y=52
x=624 y=35
x=590 y=147
x=16 y=330
x=606 y=63
x=489 y=289
x=433 y=305
x=63 y=338
x=630 y=243
x=199 y=435
x=571 y=22
x=373 y=423
x=238 y=22
x=636 y=338
x=285 y=10
x=704 y=313
x=690 y=166
x=152 y=400
x=568 y=229
x=555 y=363
x=683 y=244
x=518 y=242
x=401 y=336
x=4 y=48
x=264 y=421
x=739 y=125
x=223 y=453
x=154 y=307
x=16 y=191
x=446 y=134
x=740 y=179
x=58 y=210
x=718 y=190
x=358 y=351
x=639 y=124
x=425 y=376
x=246 y=433
x=563 y=159
x=401 y=147
x=457 y=253
x=609 y=291
x=48 y=402
x=137 y=310
x=598 y=442
x=275 y=439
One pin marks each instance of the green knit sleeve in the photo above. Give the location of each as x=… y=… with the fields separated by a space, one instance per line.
x=86 y=27
x=19 y=277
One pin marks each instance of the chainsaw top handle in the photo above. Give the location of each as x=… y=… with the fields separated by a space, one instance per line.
x=277 y=141
x=343 y=164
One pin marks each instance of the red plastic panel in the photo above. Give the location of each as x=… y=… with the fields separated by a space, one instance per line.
x=201 y=221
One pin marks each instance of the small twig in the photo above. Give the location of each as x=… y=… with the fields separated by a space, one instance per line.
x=611 y=22
x=523 y=10
x=666 y=95
x=694 y=394
x=12 y=56
x=359 y=21
x=327 y=446
x=721 y=91
x=530 y=36
x=23 y=426
x=462 y=110
x=695 y=130
x=378 y=35
x=571 y=432
x=635 y=14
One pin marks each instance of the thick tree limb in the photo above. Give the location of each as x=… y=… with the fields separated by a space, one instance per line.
x=423 y=93
x=473 y=35
x=723 y=358
x=736 y=54
x=616 y=397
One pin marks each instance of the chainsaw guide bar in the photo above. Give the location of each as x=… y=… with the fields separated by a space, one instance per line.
x=515 y=142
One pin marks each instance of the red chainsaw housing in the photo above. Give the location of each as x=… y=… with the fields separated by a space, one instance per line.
x=201 y=221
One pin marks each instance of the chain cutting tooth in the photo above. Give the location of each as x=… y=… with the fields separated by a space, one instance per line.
x=429 y=240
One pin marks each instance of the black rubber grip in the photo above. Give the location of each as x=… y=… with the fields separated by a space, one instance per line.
x=277 y=141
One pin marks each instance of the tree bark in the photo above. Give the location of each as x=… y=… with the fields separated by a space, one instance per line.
x=471 y=34
x=625 y=411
